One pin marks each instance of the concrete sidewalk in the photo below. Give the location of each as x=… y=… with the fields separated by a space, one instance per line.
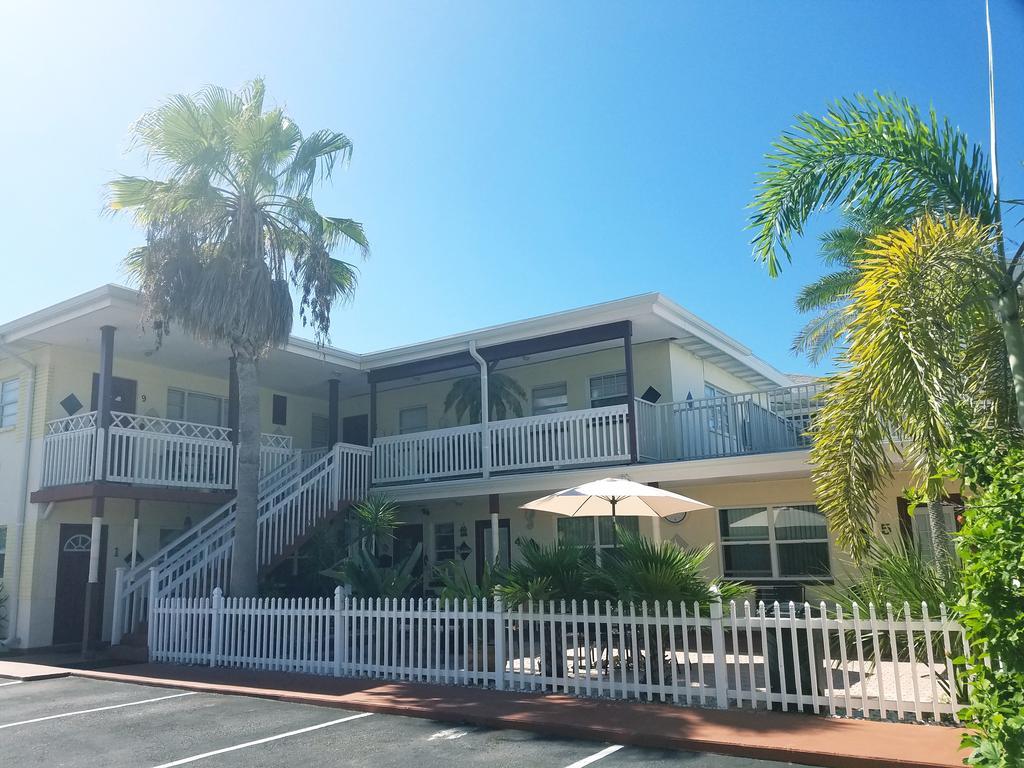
x=803 y=739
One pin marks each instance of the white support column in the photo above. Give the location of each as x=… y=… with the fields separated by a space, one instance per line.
x=495 y=540
x=485 y=412
x=94 y=550
x=135 y=535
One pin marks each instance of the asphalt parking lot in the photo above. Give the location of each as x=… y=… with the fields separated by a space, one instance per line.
x=81 y=723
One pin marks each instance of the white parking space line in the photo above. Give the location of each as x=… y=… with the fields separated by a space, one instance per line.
x=596 y=756
x=13 y=682
x=96 y=709
x=203 y=756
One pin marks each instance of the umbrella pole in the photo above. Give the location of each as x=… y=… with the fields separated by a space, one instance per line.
x=615 y=529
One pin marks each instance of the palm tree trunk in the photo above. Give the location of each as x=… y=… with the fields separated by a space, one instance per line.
x=942 y=543
x=244 y=563
x=1008 y=313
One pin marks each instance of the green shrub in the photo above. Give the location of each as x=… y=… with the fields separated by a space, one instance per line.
x=991 y=546
x=641 y=570
x=368 y=578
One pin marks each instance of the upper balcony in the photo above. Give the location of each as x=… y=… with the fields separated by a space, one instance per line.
x=708 y=428
x=148 y=451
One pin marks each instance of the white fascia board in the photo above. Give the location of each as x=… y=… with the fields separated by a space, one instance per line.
x=333 y=355
x=788 y=464
x=668 y=310
x=71 y=309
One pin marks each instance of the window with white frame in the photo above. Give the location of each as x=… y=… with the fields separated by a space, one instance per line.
x=608 y=389
x=444 y=542
x=197 y=407
x=774 y=542
x=412 y=420
x=3 y=548
x=550 y=398
x=9 y=403
x=596 y=532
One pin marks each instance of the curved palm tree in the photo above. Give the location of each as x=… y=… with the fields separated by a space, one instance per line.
x=505 y=397
x=879 y=157
x=230 y=228
x=923 y=353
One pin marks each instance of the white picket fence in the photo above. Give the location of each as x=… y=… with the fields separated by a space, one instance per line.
x=803 y=658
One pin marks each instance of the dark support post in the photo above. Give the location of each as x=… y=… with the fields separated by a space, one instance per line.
x=373 y=411
x=104 y=399
x=333 y=411
x=627 y=348
x=104 y=393
x=233 y=398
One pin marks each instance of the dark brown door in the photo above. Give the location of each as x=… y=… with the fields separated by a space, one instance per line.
x=356 y=430
x=72 y=576
x=122 y=394
x=483 y=543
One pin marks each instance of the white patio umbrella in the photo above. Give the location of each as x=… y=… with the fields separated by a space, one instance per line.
x=616 y=495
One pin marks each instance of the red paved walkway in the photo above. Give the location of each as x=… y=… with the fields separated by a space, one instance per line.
x=804 y=739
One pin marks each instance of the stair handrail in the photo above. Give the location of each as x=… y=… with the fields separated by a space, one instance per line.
x=314 y=473
x=269 y=484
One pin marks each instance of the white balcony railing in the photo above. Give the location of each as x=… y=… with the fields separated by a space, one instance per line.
x=592 y=436
x=152 y=451
x=146 y=450
x=555 y=440
x=428 y=455
x=69 y=450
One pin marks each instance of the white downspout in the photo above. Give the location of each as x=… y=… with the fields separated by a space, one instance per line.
x=13 y=584
x=485 y=412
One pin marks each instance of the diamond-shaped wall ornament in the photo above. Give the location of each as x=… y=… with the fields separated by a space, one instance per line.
x=464 y=550
x=71 y=404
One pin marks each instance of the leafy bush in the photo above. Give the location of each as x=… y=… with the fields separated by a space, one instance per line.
x=456 y=583
x=642 y=570
x=377 y=518
x=991 y=545
x=368 y=578
x=559 y=571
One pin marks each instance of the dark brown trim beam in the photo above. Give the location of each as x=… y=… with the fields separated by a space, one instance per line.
x=627 y=351
x=119 y=491
x=564 y=340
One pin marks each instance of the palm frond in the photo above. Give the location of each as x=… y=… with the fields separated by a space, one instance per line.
x=877 y=155
x=821 y=334
x=905 y=373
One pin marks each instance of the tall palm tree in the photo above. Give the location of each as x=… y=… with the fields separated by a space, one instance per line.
x=230 y=228
x=879 y=157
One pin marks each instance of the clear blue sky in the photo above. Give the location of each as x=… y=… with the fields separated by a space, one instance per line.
x=510 y=159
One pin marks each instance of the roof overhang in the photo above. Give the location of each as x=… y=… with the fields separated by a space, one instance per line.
x=652 y=317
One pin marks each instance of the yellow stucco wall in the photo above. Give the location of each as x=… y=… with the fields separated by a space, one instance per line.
x=71 y=371
x=42 y=545
x=650 y=366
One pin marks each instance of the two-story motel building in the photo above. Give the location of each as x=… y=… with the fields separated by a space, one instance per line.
x=112 y=450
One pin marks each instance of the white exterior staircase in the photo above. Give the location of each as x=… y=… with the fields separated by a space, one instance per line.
x=293 y=499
